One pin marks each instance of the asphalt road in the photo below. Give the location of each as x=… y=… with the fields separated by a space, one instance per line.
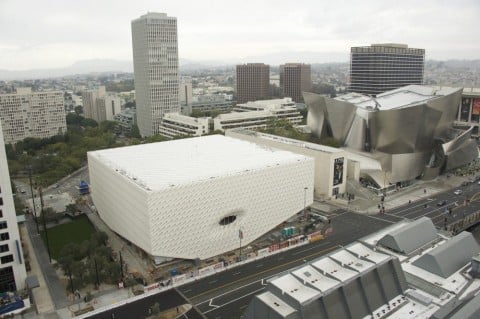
x=439 y=214
x=139 y=309
x=227 y=294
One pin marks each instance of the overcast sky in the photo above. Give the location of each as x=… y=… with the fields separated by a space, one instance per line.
x=56 y=33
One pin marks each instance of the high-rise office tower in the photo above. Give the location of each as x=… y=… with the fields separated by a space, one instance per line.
x=253 y=82
x=383 y=67
x=155 y=65
x=295 y=78
x=12 y=265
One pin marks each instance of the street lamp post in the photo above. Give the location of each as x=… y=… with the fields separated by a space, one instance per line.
x=44 y=224
x=305 y=202
x=240 y=237
x=33 y=199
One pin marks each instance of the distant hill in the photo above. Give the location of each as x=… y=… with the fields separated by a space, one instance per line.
x=317 y=59
x=79 y=67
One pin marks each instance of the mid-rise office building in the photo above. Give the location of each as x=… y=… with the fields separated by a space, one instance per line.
x=99 y=105
x=295 y=78
x=384 y=67
x=12 y=266
x=89 y=97
x=155 y=65
x=32 y=114
x=107 y=107
x=185 y=95
x=253 y=82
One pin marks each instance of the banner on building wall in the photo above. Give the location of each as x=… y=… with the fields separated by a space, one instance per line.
x=338 y=171
x=476 y=107
x=465 y=109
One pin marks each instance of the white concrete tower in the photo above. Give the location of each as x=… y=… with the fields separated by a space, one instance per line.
x=155 y=65
x=12 y=265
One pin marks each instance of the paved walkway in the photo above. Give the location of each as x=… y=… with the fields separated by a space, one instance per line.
x=419 y=190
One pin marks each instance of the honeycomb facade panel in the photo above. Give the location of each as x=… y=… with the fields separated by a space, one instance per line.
x=195 y=198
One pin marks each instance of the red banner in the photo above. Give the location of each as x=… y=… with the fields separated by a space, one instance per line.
x=476 y=107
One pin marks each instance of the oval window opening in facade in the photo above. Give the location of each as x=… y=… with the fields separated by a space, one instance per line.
x=227 y=220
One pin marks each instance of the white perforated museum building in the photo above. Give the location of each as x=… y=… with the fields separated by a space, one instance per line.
x=191 y=198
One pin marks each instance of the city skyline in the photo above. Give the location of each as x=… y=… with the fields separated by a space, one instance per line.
x=214 y=32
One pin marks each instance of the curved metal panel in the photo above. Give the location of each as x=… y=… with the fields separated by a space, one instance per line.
x=408 y=166
x=340 y=116
x=462 y=155
x=356 y=136
x=448 y=106
x=462 y=137
x=316 y=113
x=403 y=130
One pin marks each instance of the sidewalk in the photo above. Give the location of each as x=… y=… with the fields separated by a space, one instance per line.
x=417 y=191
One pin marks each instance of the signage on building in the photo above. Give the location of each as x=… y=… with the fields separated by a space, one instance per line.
x=338 y=171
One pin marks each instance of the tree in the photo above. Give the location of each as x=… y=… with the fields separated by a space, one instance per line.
x=71 y=208
x=156 y=308
x=134 y=131
x=78 y=109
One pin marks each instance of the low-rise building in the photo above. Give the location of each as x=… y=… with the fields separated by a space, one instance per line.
x=256 y=115
x=175 y=124
x=125 y=121
x=331 y=163
x=469 y=109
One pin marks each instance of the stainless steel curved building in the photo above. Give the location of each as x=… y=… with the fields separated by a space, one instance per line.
x=408 y=132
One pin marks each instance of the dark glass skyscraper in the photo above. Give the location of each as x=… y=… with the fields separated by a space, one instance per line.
x=383 y=67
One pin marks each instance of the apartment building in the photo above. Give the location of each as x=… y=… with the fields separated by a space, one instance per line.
x=32 y=114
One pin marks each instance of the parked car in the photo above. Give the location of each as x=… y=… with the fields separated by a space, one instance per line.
x=458 y=192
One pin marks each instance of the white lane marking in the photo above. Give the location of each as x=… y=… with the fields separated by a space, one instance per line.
x=233 y=300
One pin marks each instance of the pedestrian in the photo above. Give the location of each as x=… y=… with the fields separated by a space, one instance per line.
x=409 y=202
x=112 y=316
x=424 y=190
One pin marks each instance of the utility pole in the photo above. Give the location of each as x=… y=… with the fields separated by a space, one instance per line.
x=33 y=199
x=240 y=236
x=44 y=224
x=96 y=272
x=71 y=280
x=305 y=203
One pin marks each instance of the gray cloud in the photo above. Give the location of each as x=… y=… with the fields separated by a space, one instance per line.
x=56 y=33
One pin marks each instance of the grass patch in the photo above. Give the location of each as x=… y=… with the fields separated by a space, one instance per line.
x=76 y=231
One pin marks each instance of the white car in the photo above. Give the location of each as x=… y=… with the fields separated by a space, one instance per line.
x=458 y=192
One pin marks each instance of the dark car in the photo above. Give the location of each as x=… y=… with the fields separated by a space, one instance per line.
x=442 y=203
